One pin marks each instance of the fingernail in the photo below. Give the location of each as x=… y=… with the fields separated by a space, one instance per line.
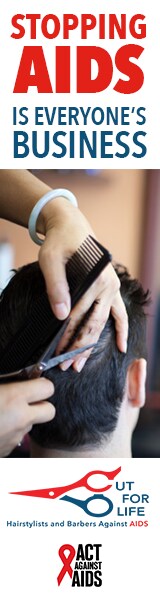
x=80 y=364
x=49 y=385
x=61 y=310
x=124 y=345
x=53 y=410
x=67 y=363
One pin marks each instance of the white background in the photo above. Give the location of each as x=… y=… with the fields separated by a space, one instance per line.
x=148 y=96
x=29 y=557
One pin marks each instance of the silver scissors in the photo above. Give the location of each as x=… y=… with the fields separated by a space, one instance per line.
x=45 y=362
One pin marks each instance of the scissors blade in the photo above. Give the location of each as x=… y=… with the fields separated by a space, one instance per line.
x=49 y=351
x=57 y=360
x=35 y=370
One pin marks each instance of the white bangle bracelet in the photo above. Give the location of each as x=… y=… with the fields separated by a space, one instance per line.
x=40 y=204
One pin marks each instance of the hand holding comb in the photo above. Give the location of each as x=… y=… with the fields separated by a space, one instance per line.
x=42 y=327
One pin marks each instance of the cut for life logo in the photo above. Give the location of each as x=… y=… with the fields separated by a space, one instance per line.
x=133 y=503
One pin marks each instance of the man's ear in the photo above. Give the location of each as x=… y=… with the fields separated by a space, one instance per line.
x=136 y=377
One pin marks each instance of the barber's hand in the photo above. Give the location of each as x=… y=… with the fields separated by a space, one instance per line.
x=22 y=405
x=66 y=228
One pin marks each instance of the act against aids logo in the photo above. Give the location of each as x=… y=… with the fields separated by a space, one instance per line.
x=87 y=569
x=57 y=492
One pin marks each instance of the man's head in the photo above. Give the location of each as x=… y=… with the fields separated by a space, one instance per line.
x=102 y=402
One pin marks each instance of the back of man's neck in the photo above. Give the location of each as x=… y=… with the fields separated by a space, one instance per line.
x=105 y=450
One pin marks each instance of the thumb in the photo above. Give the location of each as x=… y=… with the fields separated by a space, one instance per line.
x=53 y=268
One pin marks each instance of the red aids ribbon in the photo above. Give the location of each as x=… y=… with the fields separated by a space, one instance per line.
x=66 y=561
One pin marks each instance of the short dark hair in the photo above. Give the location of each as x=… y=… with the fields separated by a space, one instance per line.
x=87 y=403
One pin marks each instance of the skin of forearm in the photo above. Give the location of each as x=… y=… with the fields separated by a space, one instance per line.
x=20 y=191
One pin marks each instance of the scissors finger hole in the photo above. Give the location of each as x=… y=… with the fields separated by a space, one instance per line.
x=98 y=482
x=100 y=506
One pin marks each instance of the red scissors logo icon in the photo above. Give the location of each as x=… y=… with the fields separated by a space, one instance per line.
x=56 y=492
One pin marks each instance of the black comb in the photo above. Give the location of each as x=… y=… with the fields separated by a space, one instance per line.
x=41 y=325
